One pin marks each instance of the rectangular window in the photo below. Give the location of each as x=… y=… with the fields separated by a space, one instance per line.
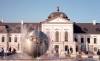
x=15 y=39
x=95 y=40
x=82 y=40
x=75 y=39
x=3 y=39
x=88 y=40
x=95 y=48
x=66 y=36
x=66 y=47
x=9 y=39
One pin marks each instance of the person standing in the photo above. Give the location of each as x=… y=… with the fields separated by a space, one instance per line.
x=98 y=52
x=2 y=50
x=14 y=51
x=80 y=51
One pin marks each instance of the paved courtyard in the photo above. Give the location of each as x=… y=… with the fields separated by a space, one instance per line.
x=25 y=57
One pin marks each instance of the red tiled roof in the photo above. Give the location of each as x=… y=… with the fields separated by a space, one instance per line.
x=57 y=14
x=88 y=28
x=16 y=27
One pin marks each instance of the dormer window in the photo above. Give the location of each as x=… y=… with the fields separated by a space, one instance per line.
x=85 y=29
x=51 y=15
x=97 y=29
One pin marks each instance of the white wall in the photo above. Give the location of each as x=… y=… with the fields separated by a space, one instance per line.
x=13 y=44
x=91 y=36
x=61 y=27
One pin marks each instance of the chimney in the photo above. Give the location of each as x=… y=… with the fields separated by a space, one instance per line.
x=22 y=22
x=94 y=22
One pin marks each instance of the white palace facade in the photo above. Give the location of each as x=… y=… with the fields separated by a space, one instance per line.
x=62 y=32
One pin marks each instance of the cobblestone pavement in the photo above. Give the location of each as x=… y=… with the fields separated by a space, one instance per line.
x=25 y=57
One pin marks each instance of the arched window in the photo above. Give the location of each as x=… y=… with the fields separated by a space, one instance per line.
x=66 y=36
x=57 y=36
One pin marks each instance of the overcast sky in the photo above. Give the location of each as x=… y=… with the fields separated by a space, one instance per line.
x=38 y=10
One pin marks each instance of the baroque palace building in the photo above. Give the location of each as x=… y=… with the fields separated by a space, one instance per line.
x=62 y=32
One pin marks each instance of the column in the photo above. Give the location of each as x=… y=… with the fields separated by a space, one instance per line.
x=74 y=49
x=79 y=41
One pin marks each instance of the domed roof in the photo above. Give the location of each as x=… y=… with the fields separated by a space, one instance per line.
x=58 y=14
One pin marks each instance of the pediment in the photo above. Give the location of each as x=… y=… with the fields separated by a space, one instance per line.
x=58 y=20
